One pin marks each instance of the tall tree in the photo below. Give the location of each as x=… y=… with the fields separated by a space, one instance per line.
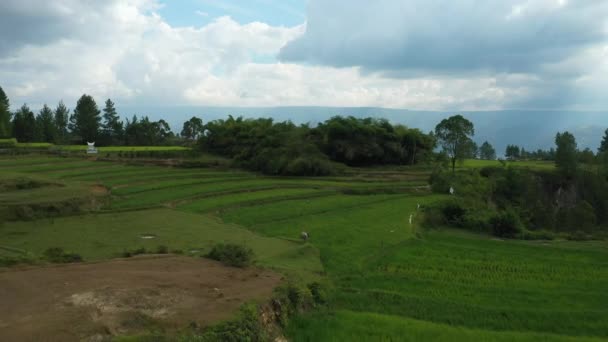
x=473 y=150
x=5 y=115
x=24 y=124
x=145 y=132
x=112 y=126
x=46 y=125
x=512 y=152
x=192 y=128
x=487 y=151
x=586 y=156
x=86 y=119
x=454 y=135
x=61 y=122
x=604 y=144
x=566 y=153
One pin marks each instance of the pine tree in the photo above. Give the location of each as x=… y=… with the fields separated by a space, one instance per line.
x=487 y=151
x=86 y=119
x=604 y=144
x=112 y=126
x=46 y=125
x=5 y=115
x=61 y=122
x=24 y=124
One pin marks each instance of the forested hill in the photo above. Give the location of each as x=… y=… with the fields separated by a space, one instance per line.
x=530 y=129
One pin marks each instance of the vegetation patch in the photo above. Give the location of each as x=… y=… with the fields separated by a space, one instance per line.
x=232 y=254
x=58 y=255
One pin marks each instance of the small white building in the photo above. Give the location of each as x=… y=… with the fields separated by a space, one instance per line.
x=91 y=148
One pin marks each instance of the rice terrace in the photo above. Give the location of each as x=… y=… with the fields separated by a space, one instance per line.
x=378 y=277
x=303 y=170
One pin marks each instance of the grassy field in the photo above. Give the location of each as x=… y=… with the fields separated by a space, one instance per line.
x=105 y=236
x=379 y=264
x=388 y=279
x=531 y=164
x=105 y=149
x=343 y=325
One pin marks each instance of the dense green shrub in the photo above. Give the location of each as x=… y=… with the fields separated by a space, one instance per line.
x=441 y=182
x=542 y=201
x=506 y=224
x=246 y=327
x=138 y=251
x=478 y=220
x=318 y=292
x=291 y=299
x=536 y=235
x=283 y=148
x=162 y=249
x=313 y=166
x=231 y=254
x=453 y=213
x=58 y=255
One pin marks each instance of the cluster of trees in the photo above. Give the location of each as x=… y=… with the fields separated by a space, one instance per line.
x=514 y=152
x=516 y=202
x=87 y=123
x=286 y=148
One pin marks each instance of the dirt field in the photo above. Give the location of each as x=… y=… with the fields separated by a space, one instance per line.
x=125 y=296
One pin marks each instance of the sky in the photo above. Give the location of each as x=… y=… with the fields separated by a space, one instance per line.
x=418 y=54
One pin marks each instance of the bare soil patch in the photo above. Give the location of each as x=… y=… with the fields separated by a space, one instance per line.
x=123 y=296
x=99 y=190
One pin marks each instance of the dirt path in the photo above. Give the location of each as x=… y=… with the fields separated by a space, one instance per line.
x=124 y=296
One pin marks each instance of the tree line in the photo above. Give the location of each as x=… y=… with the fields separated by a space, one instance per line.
x=86 y=123
x=523 y=203
x=265 y=145
x=286 y=148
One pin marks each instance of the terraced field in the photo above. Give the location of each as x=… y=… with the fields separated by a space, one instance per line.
x=387 y=279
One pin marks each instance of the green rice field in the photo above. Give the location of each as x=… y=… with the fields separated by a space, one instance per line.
x=386 y=279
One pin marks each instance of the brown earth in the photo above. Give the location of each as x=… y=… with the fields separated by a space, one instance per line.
x=93 y=301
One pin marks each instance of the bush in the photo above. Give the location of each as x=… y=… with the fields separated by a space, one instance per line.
x=162 y=249
x=309 y=166
x=58 y=255
x=453 y=213
x=536 y=235
x=231 y=254
x=129 y=253
x=506 y=224
x=478 y=221
x=441 y=182
x=247 y=327
x=578 y=236
x=319 y=295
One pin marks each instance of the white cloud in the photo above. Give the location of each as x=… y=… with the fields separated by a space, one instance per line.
x=124 y=50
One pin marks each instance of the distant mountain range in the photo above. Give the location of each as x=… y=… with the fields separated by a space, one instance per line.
x=527 y=128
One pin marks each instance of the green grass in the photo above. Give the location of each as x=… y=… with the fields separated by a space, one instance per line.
x=531 y=164
x=105 y=149
x=389 y=280
x=379 y=264
x=346 y=325
x=104 y=236
x=34 y=145
x=249 y=198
